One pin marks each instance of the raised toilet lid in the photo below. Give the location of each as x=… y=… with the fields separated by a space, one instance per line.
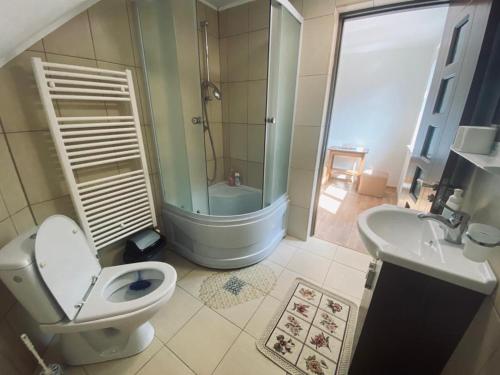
x=65 y=261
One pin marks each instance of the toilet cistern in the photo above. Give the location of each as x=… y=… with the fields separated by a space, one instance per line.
x=454 y=226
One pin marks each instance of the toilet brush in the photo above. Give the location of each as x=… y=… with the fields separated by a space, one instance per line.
x=51 y=369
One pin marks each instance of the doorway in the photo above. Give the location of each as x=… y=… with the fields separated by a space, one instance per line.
x=384 y=68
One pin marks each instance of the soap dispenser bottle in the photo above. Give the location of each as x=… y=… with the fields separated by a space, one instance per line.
x=454 y=202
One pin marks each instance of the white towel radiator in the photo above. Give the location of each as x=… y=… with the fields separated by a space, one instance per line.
x=113 y=207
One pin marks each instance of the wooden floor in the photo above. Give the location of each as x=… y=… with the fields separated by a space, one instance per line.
x=338 y=209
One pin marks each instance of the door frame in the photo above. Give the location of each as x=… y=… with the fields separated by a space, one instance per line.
x=340 y=16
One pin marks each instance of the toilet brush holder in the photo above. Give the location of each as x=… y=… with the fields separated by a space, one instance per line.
x=479 y=241
x=51 y=369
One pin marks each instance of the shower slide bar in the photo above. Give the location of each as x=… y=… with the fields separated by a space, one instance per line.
x=113 y=207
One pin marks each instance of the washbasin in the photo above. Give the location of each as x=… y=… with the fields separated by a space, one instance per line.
x=396 y=235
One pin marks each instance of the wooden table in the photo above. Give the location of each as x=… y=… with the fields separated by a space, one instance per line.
x=350 y=152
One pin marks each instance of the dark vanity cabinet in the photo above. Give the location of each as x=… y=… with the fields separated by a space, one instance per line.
x=409 y=323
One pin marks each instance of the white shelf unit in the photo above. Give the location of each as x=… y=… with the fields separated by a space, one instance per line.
x=113 y=207
x=490 y=163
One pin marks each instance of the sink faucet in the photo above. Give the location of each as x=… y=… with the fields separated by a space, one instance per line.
x=455 y=226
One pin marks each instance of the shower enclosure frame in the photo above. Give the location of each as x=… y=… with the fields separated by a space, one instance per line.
x=231 y=241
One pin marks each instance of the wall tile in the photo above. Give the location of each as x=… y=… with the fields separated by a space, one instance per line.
x=4 y=213
x=317 y=8
x=111 y=32
x=20 y=321
x=13 y=354
x=217 y=136
x=256 y=140
x=317 y=37
x=305 y=147
x=10 y=185
x=297 y=221
x=212 y=16
x=7 y=299
x=300 y=187
x=255 y=174
x=238 y=102
x=238 y=141
x=237 y=58
x=492 y=365
x=478 y=344
x=223 y=59
x=214 y=58
x=257 y=95
x=298 y=5
x=7 y=232
x=23 y=220
x=61 y=206
x=36 y=159
x=241 y=166
x=257 y=53
x=73 y=38
x=353 y=5
x=134 y=32
x=142 y=97
x=310 y=100
x=37 y=47
x=20 y=105
x=214 y=108
x=219 y=173
x=233 y=21
x=258 y=14
x=77 y=108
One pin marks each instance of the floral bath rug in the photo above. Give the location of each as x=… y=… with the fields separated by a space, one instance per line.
x=312 y=333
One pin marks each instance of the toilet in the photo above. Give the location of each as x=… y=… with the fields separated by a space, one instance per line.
x=56 y=276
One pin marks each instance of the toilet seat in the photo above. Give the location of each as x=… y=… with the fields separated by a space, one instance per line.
x=97 y=304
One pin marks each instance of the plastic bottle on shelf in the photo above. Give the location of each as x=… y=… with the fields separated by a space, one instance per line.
x=454 y=202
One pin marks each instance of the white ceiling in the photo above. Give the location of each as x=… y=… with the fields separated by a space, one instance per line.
x=24 y=22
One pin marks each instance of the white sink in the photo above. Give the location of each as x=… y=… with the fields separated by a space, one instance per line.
x=395 y=235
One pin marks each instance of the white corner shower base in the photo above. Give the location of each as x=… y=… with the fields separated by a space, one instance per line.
x=226 y=242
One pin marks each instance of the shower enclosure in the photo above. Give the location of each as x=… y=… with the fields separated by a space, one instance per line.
x=221 y=87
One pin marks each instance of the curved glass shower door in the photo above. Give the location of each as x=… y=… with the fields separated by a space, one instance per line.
x=169 y=43
x=283 y=66
x=213 y=79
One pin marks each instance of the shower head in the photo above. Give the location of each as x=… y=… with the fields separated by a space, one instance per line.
x=215 y=90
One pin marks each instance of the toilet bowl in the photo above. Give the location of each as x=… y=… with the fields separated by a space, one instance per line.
x=56 y=276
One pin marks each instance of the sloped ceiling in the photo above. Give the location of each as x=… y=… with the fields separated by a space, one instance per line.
x=24 y=22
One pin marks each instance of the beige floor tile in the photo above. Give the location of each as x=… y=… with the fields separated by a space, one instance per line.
x=309 y=265
x=204 y=340
x=346 y=279
x=125 y=366
x=244 y=352
x=174 y=314
x=191 y=283
x=241 y=314
x=282 y=254
x=319 y=247
x=181 y=264
x=277 y=269
x=284 y=283
x=262 y=316
x=165 y=362
x=352 y=258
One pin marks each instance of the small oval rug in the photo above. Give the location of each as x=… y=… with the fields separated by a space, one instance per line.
x=223 y=290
